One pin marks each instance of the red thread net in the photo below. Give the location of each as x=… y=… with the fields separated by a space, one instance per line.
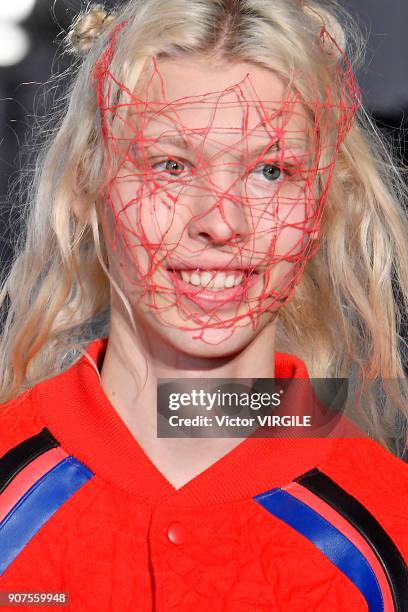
x=212 y=201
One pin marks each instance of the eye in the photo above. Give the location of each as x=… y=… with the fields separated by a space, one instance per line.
x=269 y=171
x=172 y=166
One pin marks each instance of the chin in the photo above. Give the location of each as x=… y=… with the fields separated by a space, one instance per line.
x=210 y=343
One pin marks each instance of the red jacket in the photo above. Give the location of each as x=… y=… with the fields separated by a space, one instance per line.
x=276 y=524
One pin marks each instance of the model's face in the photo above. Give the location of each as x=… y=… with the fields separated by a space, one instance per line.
x=209 y=214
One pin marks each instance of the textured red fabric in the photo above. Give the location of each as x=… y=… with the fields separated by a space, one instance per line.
x=128 y=540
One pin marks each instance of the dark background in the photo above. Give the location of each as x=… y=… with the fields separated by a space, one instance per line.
x=384 y=81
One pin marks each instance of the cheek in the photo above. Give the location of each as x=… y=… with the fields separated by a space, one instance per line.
x=141 y=229
x=141 y=216
x=283 y=225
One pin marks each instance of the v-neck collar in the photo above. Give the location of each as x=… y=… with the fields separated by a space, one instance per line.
x=77 y=411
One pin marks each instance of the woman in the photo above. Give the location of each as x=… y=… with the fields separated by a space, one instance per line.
x=212 y=185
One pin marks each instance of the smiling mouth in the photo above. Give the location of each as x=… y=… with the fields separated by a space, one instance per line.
x=214 y=285
x=214 y=280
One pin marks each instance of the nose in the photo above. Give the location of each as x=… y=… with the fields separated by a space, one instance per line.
x=219 y=217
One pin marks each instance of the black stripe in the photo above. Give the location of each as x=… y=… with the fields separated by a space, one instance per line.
x=18 y=457
x=355 y=513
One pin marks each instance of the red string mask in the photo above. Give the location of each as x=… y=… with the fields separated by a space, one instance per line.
x=214 y=199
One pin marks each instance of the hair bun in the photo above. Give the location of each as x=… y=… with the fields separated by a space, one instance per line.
x=87 y=28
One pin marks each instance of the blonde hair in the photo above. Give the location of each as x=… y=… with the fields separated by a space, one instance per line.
x=57 y=291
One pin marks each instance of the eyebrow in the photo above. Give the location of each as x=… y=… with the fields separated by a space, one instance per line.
x=179 y=141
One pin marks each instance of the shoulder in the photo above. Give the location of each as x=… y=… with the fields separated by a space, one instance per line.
x=26 y=415
x=378 y=480
x=383 y=471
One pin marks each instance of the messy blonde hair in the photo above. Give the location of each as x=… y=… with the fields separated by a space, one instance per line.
x=344 y=317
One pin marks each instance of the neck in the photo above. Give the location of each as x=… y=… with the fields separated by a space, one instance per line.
x=132 y=366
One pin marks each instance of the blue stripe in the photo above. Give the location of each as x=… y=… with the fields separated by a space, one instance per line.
x=332 y=543
x=37 y=505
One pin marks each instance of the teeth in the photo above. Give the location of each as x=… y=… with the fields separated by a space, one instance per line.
x=195 y=279
x=212 y=279
x=219 y=280
x=230 y=280
x=205 y=279
x=186 y=276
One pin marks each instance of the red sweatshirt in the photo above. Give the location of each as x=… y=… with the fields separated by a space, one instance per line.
x=276 y=524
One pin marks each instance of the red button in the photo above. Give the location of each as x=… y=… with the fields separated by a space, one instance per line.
x=177 y=533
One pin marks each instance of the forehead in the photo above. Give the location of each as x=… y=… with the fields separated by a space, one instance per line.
x=195 y=96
